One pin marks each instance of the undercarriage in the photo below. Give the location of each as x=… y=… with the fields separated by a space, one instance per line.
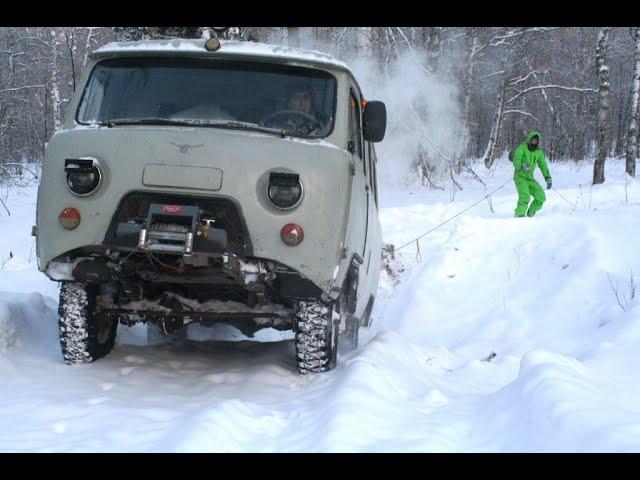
x=173 y=291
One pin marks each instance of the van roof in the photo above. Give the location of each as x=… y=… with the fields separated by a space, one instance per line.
x=228 y=49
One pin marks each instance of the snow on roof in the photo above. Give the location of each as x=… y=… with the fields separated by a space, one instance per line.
x=227 y=48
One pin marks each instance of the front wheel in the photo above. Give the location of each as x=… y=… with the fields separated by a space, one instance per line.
x=316 y=337
x=84 y=336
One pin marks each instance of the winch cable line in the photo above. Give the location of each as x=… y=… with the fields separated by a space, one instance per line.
x=564 y=198
x=417 y=239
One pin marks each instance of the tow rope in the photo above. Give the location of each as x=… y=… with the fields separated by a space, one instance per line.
x=417 y=239
x=563 y=197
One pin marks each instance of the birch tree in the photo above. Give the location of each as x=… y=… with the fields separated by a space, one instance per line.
x=602 y=129
x=492 y=145
x=56 y=101
x=468 y=82
x=632 y=136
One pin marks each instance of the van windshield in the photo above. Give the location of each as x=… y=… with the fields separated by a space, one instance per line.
x=172 y=90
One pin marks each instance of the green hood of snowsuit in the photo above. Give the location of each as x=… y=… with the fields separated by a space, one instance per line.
x=532 y=134
x=532 y=158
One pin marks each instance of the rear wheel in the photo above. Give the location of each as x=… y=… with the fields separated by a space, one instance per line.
x=316 y=337
x=84 y=336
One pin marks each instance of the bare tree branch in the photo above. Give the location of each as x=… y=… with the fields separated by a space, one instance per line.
x=521 y=112
x=15 y=89
x=559 y=87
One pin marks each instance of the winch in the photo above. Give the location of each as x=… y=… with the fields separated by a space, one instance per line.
x=174 y=229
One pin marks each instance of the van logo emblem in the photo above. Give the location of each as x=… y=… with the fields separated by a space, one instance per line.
x=185 y=147
x=172 y=209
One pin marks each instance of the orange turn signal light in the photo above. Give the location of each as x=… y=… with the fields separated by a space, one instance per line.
x=292 y=234
x=69 y=218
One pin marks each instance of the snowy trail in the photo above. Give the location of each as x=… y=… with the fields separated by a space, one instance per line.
x=534 y=291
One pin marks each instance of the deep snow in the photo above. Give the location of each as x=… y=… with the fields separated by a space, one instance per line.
x=536 y=292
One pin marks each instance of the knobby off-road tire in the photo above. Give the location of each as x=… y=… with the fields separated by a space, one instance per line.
x=316 y=337
x=84 y=337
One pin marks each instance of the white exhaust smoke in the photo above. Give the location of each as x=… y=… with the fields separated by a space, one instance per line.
x=423 y=116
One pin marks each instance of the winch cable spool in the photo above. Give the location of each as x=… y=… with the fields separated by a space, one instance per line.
x=417 y=239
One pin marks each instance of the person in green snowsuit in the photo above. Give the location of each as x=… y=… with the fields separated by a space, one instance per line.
x=525 y=159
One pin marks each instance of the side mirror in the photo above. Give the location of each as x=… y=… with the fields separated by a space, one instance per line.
x=374 y=121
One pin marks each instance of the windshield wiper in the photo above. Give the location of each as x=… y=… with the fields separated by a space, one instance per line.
x=236 y=125
x=232 y=124
x=147 y=121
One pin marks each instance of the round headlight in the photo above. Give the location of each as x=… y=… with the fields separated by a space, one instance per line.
x=285 y=197
x=285 y=190
x=83 y=176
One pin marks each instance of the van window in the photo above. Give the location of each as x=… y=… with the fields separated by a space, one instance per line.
x=298 y=100
x=355 y=132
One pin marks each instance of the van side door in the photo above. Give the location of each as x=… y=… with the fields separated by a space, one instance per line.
x=372 y=259
x=358 y=154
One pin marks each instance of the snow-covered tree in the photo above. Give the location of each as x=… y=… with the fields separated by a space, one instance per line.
x=632 y=136
x=603 y=127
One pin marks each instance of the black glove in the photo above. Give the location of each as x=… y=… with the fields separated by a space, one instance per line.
x=548 y=183
x=525 y=166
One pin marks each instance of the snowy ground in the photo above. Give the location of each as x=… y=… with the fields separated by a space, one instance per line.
x=536 y=292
